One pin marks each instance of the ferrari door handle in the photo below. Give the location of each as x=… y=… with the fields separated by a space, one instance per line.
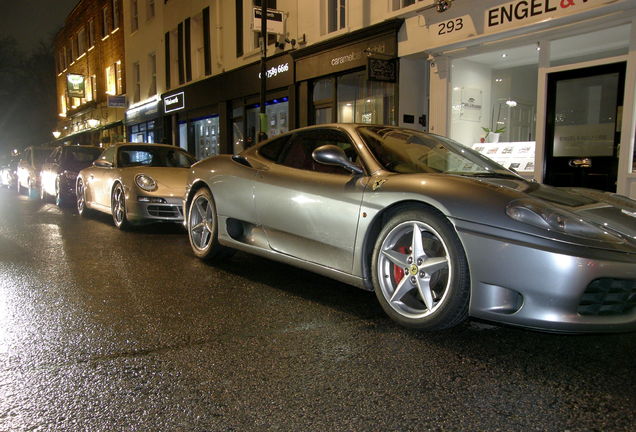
x=580 y=163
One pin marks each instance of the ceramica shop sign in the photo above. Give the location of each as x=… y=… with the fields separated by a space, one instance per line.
x=346 y=57
x=524 y=12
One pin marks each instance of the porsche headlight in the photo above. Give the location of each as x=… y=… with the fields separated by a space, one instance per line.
x=554 y=219
x=146 y=182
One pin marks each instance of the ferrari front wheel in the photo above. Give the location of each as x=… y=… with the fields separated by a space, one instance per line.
x=203 y=226
x=420 y=271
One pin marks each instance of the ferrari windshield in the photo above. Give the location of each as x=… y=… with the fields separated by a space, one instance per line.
x=407 y=151
x=155 y=156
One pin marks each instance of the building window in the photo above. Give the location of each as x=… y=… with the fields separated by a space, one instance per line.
x=239 y=27
x=115 y=14
x=398 y=4
x=68 y=55
x=93 y=87
x=119 y=78
x=336 y=15
x=137 y=82
x=91 y=33
x=81 y=41
x=73 y=44
x=152 y=69
x=150 y=9
x=206 y=137
x=134 y=16
x=364 y=101
x=105 y=22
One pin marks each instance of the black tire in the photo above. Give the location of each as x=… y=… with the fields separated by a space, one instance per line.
x=118 y=207
x=80 y=191
x=426 y=285
x=203 y=229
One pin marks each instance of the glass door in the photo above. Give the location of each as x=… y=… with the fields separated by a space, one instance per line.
x=583 y=126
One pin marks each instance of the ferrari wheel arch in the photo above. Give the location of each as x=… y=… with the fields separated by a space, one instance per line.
x=196 y=186
x=379 y=221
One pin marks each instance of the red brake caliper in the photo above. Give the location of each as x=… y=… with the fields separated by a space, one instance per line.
x=398 y=272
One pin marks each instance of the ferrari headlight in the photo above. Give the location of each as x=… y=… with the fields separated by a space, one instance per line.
x=146 y=182
x=554 y=219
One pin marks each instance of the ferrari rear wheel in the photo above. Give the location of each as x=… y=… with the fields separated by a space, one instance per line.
x=203 y=227
x=118 y=207
x=420 y=271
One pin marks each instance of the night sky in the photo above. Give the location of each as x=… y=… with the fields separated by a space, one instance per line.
x=30 y=21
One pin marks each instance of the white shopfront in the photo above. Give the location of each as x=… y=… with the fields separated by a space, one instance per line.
x=546 y=87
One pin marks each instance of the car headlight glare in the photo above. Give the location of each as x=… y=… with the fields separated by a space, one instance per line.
x=146 y=182
x=558 y=220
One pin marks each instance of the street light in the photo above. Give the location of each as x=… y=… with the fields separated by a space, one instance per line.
x=56 y=134
x=92 y=123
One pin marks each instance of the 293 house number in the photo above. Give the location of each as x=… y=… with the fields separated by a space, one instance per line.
x=450 y=26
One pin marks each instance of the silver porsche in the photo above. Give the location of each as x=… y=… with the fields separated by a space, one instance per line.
x=135 y=183
x=438 y=231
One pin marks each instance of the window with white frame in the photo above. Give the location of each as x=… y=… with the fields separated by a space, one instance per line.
x=336 y=15
x=150 y=9
x=134 y=16
x=152 y=72
x=137 y=81
x=81 y=41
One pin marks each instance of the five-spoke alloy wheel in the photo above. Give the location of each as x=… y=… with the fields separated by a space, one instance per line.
x=420 y=273
x=203 y=226
x=80 y=191
x=118 y=207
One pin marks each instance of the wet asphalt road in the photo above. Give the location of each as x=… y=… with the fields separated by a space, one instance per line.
x=102 y=330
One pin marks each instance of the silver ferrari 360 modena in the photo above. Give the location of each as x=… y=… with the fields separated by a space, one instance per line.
x=136 y=183
x=438 y=231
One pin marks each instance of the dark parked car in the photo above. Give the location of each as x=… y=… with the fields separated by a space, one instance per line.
x=60 y=170
x=29 y=168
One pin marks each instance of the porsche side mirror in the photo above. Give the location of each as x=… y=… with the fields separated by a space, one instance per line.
x=333 y=155
x=103 y=164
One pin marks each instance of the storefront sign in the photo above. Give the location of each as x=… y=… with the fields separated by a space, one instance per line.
x=523 y=12
x=274 y=71
x=174 y=102
x=274 y=21
x=347 y=57
x=116 y=101
x=382 y=70
x=75 y=85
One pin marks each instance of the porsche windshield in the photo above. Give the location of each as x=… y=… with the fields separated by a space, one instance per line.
x=407 y=151
x=155 y=156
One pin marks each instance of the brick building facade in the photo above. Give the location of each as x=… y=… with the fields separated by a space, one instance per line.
x=91 y=81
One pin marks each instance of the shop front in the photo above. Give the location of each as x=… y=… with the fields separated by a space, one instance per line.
x=221 y=114
x=144 y=122
x=545 y=87
x=350 y=79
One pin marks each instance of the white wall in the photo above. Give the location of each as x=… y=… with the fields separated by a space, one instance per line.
x=413 y=97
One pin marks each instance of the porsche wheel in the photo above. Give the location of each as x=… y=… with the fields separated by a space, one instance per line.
x=118 y=207
x=203 y=227
x=420 y=272
x=80 y=192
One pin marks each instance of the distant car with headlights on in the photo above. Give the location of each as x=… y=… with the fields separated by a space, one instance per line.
x=8 y=172
x=59 y=172
x=29 y=167
x=136 y=183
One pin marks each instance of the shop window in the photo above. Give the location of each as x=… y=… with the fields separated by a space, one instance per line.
x=493 y=108
x=277 y=111
x=134 y=16
x=360 y=100
x=610 y=42
x=206 y=137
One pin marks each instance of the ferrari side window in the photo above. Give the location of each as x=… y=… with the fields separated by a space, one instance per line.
x=298 y=153
x=272 y=149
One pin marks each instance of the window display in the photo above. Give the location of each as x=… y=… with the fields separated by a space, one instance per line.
x=206 y=137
